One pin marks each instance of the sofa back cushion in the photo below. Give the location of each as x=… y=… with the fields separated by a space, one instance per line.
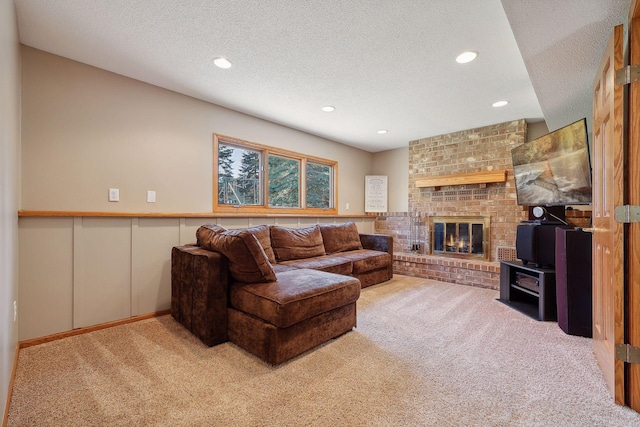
x=296 y=243
x=340 y=237
x=263 y=235
x=248 y=263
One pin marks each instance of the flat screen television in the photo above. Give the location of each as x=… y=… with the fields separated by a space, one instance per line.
x=555 y=169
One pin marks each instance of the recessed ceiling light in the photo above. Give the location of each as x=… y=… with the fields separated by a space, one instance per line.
x=328 y=108
x=221 y=62
x=465 y=57
x=382 y=131
x=499 y=103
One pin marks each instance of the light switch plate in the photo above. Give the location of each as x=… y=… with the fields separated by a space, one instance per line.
x=151 y=196
x=114 y=195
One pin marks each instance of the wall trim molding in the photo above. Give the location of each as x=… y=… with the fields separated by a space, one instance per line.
x=5 y=418
x=87 y=329
x=34 y=213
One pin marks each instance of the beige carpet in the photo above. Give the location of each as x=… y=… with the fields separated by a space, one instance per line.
x=424 y=353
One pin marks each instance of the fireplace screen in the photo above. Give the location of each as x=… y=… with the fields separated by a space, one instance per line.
x=466 y=237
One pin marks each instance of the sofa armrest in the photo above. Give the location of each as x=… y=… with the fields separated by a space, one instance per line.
x=377 y=242
x=199 y=292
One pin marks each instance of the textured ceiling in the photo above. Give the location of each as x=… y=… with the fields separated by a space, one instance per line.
x=561 y=42
x=383 y=64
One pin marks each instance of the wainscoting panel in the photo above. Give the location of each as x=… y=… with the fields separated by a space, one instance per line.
x=152 y=240
x=305 y=222
x=82 y=271
x=188 y=232
x=263 y=221
x=288 y=222
x=365 y=225
x=230 y=223
x=102 y=286
x=45 y=292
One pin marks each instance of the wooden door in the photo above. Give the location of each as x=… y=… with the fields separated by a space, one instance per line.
x=608 y=186
x=633 y=236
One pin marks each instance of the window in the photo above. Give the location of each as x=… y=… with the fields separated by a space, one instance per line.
x=238 y=176
x=284 y=182
x=319 y=185
x=255 y=178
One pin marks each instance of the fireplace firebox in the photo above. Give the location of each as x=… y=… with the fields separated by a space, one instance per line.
x=460 y=236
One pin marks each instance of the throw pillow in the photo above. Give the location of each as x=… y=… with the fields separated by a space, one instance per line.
x=263 y=235
x=340 y=237
x=296 y=243
x=248 y=262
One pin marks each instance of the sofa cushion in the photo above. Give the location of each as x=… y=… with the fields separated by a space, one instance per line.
x=263 y=235
x=248 y=262
x=328 y=263
x=296 y=243
x=296 y=296
x=280 y=268
x=205 y=231
x=365 y=260
x=340 y=237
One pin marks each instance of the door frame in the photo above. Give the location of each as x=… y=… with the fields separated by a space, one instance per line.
x=632 y=231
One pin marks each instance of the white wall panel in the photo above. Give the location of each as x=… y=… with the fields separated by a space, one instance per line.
x=46 y=276
x=102 y=250
x=78 y=272
x=231 y=223
x=152 y=240
x=189 y=226
x=262 y=221
x=364 y=225
x=326 y=220
x=305 y=222
x=288 y=222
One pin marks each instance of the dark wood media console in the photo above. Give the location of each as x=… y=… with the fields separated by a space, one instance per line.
x=529 y=289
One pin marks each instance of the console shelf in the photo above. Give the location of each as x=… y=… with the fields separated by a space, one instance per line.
x=528 y=289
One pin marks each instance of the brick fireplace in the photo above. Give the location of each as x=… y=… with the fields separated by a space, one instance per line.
x=469 y=151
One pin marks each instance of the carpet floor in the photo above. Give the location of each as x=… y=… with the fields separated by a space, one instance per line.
x=424 y=353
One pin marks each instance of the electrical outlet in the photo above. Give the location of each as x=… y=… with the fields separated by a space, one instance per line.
x=114 y=195
x=15 y=311
x=151 y=196
x=346 y=206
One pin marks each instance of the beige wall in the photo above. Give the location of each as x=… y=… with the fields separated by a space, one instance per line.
x=536 y=130
x=86 y=130
x=9 y=190
x=395 y=165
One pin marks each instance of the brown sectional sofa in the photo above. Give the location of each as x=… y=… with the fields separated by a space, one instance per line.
x=274 y=291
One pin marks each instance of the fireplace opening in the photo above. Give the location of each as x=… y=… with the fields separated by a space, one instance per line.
x=466 y=237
